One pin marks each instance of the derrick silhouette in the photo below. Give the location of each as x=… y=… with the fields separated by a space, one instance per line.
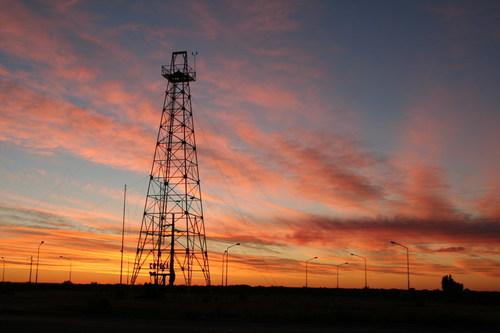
x=172 y=238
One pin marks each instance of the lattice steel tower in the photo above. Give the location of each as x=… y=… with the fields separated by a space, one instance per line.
x=172 y=237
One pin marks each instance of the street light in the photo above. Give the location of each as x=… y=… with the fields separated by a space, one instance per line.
x=70 y=266
x=38 y=261
x=223 y=267
x=364 y=259
x=225 y=259
x=338 y=266
x=407 y=260
x=307 y=262
x=31 y=267
x=3 y=269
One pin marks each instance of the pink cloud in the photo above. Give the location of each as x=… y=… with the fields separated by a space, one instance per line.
x=265 y=16
x=23 y=32
x=60 y=125
x=424 y=194
x=203 y=16
x=489 y=204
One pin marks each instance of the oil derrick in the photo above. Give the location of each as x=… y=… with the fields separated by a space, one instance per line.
x=172 y=237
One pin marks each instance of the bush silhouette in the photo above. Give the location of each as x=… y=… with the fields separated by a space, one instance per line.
x=451 y=286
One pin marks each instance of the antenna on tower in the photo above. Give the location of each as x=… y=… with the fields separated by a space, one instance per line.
x=194 y=54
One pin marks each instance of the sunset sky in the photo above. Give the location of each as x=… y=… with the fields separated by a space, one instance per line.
x=323 y=128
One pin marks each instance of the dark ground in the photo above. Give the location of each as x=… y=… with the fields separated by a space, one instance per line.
x=99 y=308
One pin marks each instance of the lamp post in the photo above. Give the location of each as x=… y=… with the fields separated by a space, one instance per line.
x=70 y=266
x=366 y=276
x=31 y=267
x=223 y=267
x=226 y=255
x=128 y=271
x=38 y=261
x=123 y=232
x=3 y=269
x=307 y=262
x=338 y=266
x=407 y=260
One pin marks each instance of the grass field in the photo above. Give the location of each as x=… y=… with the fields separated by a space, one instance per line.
x=86 y=308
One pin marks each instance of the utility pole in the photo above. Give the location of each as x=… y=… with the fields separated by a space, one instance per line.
x=38 y=261
x=3 y=269
x=123 y=231
x=223 y=266
x=338 y=267
x=31 y=267
x=128 y=271
x=366 y=274
x=307 y=262
x=227 y=259
x=70 y=266
x=171 y=278
x=407 y=261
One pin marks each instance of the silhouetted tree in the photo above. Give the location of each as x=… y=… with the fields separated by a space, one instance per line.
x=451 y=286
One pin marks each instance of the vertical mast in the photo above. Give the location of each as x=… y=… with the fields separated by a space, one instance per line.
x=123 y=231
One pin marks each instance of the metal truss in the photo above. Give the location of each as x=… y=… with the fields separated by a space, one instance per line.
x=172 y=237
